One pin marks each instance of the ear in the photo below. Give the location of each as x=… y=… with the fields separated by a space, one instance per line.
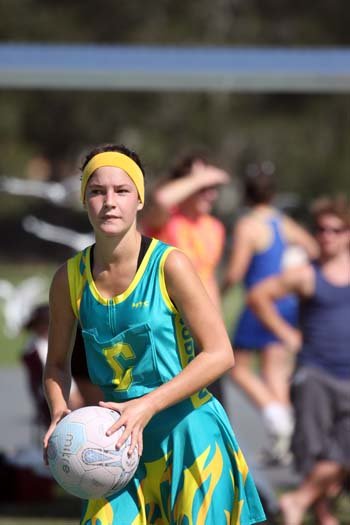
x=140 y=205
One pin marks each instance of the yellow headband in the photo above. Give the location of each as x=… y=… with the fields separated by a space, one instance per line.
x=117 y=160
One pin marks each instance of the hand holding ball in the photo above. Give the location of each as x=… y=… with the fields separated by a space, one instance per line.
x=86 y=462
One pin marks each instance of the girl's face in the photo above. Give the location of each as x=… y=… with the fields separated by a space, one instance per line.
x=112 y=201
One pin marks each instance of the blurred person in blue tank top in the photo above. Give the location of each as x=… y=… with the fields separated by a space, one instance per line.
x=261 y=239
x=321 y=383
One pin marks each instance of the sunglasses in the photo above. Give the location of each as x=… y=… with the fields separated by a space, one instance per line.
x=329 y=229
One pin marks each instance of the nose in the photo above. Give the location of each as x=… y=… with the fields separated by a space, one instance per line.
x=109 y=201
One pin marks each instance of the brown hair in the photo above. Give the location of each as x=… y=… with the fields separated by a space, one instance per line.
x=338 y=206
x=184 y=164
x=39 y=315
x=259 y=184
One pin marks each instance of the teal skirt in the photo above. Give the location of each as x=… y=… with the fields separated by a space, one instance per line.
x=192 y=472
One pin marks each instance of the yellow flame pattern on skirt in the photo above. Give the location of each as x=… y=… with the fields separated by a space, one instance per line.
x=193 y=480
x=156 y=510
x=98 y=512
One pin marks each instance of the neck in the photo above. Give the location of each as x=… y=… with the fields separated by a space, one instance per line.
x=109 y=250
x=262 y=208
x=341 y=259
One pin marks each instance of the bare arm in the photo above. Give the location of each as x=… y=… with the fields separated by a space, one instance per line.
x=207 y=327
x=296 y=234
x=57 y=372
x=173 y=192
x=201 y=176
x=241 y=253
x=262 y=297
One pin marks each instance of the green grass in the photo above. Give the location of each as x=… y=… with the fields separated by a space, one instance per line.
x=10 y=347
x=231 y=306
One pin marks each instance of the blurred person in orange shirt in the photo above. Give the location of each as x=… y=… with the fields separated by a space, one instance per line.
x=180 y=215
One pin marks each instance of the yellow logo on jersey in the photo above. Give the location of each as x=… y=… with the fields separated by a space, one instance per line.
x=140 y=304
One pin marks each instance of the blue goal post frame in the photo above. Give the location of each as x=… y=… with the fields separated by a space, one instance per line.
x=174 y=68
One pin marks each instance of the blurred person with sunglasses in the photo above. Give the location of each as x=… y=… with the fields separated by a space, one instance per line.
x=321 y=384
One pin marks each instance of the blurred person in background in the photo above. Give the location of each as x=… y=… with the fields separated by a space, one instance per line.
x=260 y=240
x=321 y=383
x=33 y=357
x=180 y=215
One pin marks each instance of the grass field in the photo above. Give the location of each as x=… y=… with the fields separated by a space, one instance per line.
x=15 y=273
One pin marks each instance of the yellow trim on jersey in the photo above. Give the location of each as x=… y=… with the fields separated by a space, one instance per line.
x=162 y=283
x=120 y=297
x=184 y=341
x=185 y=345
x=115 y=159
x=76 y=281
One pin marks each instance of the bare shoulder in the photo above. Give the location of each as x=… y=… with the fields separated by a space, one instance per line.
x=245 y=226
x=191 y=299
x=180 y=274
x=245 y=222
x=288 y=221
x=59 y=290
x=60 y=278
x=176 y=263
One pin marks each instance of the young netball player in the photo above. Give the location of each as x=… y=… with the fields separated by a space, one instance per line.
x=140 y=305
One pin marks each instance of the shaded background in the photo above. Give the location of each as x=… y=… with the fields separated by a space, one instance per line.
x=45 y=133
x=305 y=135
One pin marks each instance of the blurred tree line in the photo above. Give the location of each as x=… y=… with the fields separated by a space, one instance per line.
x=305 y=136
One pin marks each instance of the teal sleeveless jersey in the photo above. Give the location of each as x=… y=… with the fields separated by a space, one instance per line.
x=192 y=471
